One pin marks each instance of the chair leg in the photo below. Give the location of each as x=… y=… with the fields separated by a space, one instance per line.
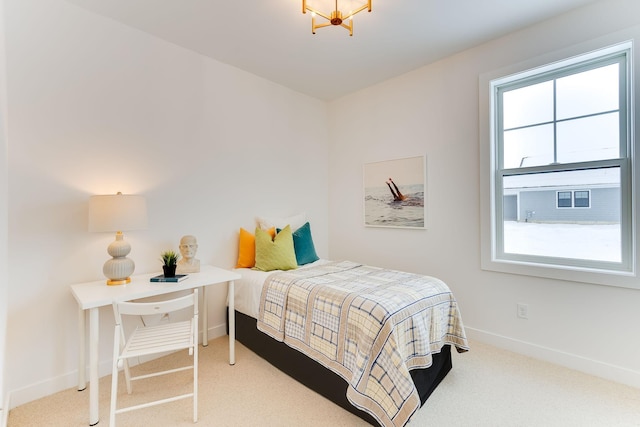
x=124 y=362
x=114 y=378
x=195 y=382
x=127 y=375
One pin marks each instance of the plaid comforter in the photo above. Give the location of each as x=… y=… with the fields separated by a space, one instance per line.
x=368 y=324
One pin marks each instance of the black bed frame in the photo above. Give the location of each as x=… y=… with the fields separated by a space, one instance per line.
x=332 y=386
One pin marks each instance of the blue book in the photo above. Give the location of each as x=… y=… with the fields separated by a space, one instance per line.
x=176 y=278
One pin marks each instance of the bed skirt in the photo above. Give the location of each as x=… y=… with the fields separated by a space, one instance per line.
x=322 y=380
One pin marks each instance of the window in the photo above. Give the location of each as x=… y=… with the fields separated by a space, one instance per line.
x=560 y=173
x=581 y=199
x=573 y=199
x=564 y=199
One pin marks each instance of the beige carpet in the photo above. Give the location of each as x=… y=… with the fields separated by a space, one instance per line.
x=487 y=387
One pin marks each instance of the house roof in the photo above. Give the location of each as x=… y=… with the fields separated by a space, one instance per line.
x=592 y=178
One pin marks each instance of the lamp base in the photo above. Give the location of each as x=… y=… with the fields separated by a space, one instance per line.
x=112 y=282
x=119 y=268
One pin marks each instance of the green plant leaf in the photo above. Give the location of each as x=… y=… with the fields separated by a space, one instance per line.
x=169 y=258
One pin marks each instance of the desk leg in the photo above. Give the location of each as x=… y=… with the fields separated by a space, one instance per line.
x=82 y=353
x=232 y=323
x=94 y=326
x=205 y=316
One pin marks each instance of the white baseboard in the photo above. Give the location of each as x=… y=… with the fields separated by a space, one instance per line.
x=579 y=363
x=4 y=411
x=70 y=380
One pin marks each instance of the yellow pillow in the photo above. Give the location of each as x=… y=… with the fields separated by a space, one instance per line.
x=276 y=254
x=247 y=248
x=295 y=221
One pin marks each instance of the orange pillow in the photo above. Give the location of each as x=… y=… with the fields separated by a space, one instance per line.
x=247 y=248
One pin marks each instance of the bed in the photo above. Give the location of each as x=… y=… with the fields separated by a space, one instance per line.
x=383 y=373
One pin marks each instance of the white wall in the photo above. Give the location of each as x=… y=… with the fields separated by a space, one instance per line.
x=4 y=294
x=96 y=107
x=434 y=111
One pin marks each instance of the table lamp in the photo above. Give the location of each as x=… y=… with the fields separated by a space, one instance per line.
x=117 y=213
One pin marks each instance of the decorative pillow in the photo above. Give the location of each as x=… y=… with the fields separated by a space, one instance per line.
x=295 y=221
x=276 y=254
x=303 y=245
x=247 y=248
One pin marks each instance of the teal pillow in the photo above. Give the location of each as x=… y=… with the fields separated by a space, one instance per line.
x=276 y=254
x=303 y=245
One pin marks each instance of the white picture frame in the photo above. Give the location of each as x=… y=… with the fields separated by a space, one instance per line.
x=395 y=193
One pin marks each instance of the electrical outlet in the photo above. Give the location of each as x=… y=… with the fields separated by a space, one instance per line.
x=522 y=311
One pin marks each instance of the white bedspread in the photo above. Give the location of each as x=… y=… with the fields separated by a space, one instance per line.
x=369 y=325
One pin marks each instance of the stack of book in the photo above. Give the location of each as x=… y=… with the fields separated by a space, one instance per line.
x=162 y=278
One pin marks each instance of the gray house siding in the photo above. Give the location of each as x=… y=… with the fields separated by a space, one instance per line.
x=511 y=207
x=541 y=206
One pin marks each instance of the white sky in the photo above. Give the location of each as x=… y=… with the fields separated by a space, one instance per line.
x=405 y=171
x=576 y=97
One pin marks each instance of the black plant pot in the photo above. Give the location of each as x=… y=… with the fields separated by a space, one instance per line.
x=169 y=270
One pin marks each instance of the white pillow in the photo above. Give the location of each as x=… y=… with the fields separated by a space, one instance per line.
x=294 y=221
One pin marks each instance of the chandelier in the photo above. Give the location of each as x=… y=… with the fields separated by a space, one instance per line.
x=334 y=18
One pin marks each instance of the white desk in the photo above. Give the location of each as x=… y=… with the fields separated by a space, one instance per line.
x=93 y=295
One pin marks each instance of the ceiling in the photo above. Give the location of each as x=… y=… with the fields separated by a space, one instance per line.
x=273 y=39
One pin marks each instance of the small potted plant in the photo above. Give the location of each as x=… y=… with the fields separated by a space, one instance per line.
x=169 y=263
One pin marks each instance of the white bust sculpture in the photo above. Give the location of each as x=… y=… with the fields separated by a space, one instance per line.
x=188 y=263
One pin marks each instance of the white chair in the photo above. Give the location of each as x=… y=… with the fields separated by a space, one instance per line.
x=149 y=340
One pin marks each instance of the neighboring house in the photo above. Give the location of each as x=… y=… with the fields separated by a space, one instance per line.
x=565 y=197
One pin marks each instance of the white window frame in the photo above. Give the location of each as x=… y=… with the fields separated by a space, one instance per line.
x=573 y=199
x=558 y=199
x=619 y=274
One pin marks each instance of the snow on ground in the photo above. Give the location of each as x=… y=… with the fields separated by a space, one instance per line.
x=582 y=241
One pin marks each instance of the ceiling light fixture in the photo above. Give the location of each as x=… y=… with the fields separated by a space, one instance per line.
x=335 y=18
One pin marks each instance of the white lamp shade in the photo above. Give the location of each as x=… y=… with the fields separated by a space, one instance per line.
x=117 y=212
